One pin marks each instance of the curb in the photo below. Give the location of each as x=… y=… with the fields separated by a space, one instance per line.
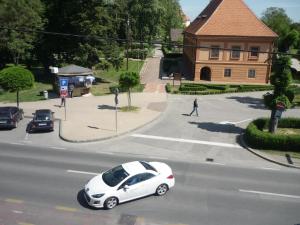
x=257 y=153
x=109 y=137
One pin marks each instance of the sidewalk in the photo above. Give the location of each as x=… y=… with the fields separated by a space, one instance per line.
x=94 y=118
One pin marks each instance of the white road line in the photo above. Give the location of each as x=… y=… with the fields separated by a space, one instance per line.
x=214 y=163
x=26 y=136
x=60 y=148
x=186 y=141
x=269 y=193
x=157 y=157
x=16 y=143
x=82 y=172
x=234 y=123
x=269 y=168
x=17 y=212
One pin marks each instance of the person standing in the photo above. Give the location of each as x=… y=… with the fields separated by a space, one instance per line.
x=63 y=101
x=195 y=108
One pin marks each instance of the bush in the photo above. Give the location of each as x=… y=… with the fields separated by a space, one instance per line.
x=257 y=138
x=137 y=53
x=168 y=88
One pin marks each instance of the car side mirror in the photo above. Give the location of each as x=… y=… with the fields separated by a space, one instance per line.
x=33 y=113
x=126 y=187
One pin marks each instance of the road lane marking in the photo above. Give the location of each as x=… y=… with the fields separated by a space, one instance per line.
x=82 y=172
x=16 y=143
x=64 y=208
x=269 y=168
x=270 y=193
x=17 y=212
x=21 y=223
x=214 y=163
x=234 y=123
x=13 y=200
x=186 y=141
x=59 y=148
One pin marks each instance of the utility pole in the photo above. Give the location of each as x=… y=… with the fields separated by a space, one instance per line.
x=127 y=40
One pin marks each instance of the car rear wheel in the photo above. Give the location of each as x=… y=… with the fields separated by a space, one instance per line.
x=111 y=202
x=162 y=189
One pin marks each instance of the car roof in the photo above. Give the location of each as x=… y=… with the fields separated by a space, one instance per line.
x=43 y=111
x=134 y=167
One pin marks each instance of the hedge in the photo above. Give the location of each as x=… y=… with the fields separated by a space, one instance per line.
x=257 y=138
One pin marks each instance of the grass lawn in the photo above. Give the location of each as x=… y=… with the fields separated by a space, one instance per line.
x=106 y=79
x=33 y=94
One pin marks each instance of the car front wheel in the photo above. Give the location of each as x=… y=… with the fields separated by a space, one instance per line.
x=162 y=189
x=111 y=203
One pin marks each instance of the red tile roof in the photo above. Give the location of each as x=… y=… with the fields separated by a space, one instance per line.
x=229 y=18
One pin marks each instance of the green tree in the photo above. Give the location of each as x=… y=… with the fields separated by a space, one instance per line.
x=279 y=22
x=127 y=81
x=19 y=14
x=281 y=79
x=15 y=79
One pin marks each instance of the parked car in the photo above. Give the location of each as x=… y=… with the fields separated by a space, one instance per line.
x=10 y=116
x=128 y=181
x=43 y=120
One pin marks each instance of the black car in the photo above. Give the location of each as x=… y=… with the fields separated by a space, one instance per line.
x=43 y=120
x=10 y=116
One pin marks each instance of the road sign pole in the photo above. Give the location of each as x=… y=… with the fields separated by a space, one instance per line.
x=116 y=118
x=65 y=109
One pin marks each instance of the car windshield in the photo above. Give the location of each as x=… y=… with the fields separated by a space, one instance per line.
x=42 y=117
x=4 y=115
x=114 y=176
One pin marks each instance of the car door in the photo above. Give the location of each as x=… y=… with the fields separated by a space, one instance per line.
x=129 y=189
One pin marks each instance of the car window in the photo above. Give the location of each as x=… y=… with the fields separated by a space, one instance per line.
x=114 y=176
x=42 y=116
x=138 y=178
x=146 y=176
x=4 y=115
x=147 y=166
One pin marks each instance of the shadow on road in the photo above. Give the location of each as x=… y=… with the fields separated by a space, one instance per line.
x=109 y=107
x=215 y=127
x=256 y=103
x=81 y=200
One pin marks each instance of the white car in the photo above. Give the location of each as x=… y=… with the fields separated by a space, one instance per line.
x=128 y=181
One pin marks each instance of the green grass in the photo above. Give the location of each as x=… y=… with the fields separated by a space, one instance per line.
x=106 y=79
x=286 y=131
x=26 y=95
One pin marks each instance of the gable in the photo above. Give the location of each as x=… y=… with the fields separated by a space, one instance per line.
x=229 y=18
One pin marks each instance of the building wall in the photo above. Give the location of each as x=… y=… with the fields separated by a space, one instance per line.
x=239 y=67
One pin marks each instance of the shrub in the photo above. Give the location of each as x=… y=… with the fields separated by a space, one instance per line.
x=137 y=53
x=168 y=88
x=257 y=138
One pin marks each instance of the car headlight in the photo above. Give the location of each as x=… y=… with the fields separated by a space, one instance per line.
x=97 y=195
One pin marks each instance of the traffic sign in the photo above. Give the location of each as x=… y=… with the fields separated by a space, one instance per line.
x=63 y=87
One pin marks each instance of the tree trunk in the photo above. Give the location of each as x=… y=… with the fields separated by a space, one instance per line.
x=18 y=98
x=129 y=98
x=273 y=122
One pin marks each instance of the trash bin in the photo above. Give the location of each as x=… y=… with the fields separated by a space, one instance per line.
x=45 y=94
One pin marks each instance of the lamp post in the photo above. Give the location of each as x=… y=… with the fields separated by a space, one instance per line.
x=127 y=40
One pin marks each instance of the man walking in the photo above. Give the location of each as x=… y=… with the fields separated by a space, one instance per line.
x=195 y=108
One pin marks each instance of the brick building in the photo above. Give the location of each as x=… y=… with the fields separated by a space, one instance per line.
x=228 y=24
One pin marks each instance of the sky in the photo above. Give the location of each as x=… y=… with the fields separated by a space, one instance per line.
x=292 y=7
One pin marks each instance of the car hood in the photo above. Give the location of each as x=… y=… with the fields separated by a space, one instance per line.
x=96 y=186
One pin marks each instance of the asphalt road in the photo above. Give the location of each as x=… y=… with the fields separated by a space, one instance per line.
x=217 y=181
x=43 y=186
